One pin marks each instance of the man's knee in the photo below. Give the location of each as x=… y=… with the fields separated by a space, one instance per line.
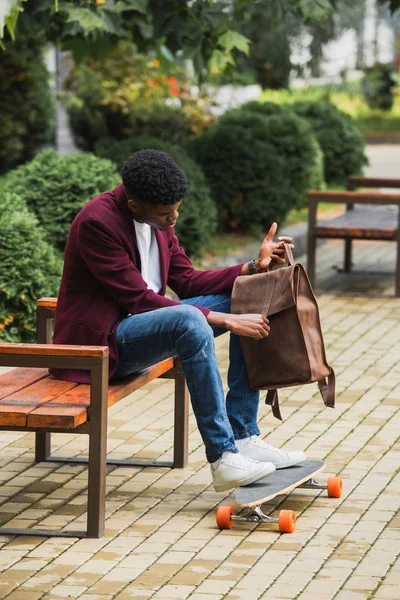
x=192 y=321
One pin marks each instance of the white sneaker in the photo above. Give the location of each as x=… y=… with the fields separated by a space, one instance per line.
x=234 y=470
x=255 y=448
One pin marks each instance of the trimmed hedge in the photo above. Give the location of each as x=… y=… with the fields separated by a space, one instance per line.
x=341 y=142
x=293 y=140
x=56 y=187
x=167 y=123
x=267 y=109
x=29 y=268
x=27 y=110
x=198 y=216
x=378 y=86
x=258 y=167
x=120 y=150
x=245 y=174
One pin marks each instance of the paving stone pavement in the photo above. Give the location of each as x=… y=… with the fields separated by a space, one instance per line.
x=161 y=540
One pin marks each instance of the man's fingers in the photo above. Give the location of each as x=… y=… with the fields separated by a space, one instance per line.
x=272 y=231
x=285 y=239
x=277 y=258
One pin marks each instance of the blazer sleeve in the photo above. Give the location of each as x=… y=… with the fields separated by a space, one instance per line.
x=187 y=282
x=110 y=263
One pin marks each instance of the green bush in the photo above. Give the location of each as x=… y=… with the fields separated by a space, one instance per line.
x=267 y=109
x=29 y=268
x=341 y=142
x=293 y=140
x=56 y=187
x=27 y=110
x=245 y=173
x=378 y=85
x=164 y=122
x=198 y=216
x=258 y=168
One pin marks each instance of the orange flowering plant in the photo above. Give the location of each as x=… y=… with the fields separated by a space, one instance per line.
x=103 y=97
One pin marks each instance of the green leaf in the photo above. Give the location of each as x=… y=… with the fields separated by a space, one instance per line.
x=315 y=10
x=138 y=5
x=219 y=61
x=232 y=39
x=87 y=19
x=9 y=11
x=146 y=29
x=167 y=53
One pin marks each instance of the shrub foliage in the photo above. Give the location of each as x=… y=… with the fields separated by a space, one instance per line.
x=27 y=109
x=341 y=142
x=56 y=187
x=29 y=268
x=198 y=216
x=378 y=85
x=258 y=167
x=293 y=140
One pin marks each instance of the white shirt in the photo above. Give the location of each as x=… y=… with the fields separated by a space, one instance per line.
x=149 y=255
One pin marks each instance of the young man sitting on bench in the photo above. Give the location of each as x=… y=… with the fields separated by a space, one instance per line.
x=120 y=255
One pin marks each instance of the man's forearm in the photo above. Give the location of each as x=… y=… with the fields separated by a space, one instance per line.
x=217 y=319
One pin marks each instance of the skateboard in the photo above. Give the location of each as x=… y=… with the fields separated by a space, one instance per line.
x=251 y=497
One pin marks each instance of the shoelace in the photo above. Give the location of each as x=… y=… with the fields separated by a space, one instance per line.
x=260 y=442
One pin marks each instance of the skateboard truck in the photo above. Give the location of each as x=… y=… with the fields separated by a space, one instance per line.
x=286 y=519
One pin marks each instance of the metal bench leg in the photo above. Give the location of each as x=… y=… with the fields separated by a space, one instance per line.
x=312 y=240
x=311 y=257
x=42 y=446
x=347 y=255
x=397 y=275
x=97 y=452
x=181 y=419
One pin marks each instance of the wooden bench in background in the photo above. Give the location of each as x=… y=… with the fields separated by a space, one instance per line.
x=32 y=400
x=369 y=216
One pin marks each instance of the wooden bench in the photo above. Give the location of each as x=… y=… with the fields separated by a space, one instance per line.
x=32 y=400
x=369 y=215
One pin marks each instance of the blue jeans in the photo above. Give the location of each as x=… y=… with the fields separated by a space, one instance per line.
x=150 y=337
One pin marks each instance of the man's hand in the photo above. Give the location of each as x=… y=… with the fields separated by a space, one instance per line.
x=272 y=253
x=250 y=325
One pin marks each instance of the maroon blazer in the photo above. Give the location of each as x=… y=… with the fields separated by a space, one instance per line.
x=101 y=282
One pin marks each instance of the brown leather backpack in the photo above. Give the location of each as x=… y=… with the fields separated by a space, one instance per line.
x=294 y=351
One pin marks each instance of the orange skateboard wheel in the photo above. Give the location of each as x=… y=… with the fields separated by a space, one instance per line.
x=223 y=517
x=335 y=486
x=287 y=521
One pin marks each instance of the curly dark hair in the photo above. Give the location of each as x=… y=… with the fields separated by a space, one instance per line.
x=154 y=177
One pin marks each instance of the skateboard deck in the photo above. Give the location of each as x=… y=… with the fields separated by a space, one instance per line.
x=282 y=481
x=251 y=497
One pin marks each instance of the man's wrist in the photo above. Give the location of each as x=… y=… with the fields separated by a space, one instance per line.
x=254 y=266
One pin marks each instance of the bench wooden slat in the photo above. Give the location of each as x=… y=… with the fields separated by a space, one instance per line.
x=378 y=223
x=63 y=404
x=119 y=390
x=57 y=417
x=16 y=407
x=18 y=379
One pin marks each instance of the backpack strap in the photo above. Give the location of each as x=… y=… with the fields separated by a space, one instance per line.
x=273 y=401
x=327 y=389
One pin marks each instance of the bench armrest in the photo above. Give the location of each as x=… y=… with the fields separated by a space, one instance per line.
x=47 y=302
x=54 y=350
x=382 y=182
x=58 y=356
x=354 y=197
